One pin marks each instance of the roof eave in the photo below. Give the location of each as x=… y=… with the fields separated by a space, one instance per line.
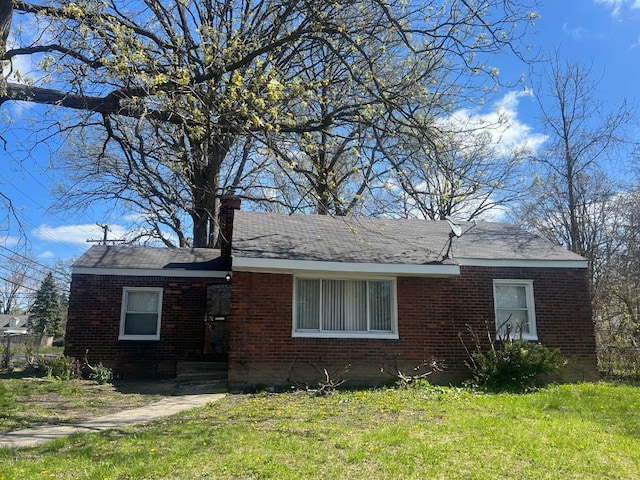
x=275 y=265
x=521 y=263
x=148 y=272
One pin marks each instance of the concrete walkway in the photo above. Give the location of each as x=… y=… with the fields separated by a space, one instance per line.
x=164 y=408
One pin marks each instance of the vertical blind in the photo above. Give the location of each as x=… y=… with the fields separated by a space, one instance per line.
x=343 y=305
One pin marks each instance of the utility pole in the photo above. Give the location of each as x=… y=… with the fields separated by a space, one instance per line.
x=105 y=240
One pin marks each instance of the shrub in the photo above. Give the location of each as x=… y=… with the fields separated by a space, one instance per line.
x=515 y=365
x=101 y=374
x=418 y=374
x=63 y=368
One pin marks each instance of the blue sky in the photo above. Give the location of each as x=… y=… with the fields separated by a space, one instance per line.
x=602 y=33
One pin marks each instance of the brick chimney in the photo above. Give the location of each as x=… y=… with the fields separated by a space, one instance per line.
x=228 y=205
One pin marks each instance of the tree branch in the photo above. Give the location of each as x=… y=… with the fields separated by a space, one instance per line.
x=107 y=105
x=53 y=48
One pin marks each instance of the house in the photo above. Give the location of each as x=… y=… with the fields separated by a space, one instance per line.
x=288 y=297
x=14 y=324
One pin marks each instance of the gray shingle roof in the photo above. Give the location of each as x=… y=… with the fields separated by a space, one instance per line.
x=13 y=321
x=379 y=240
x=125 y=257
x=338 y=239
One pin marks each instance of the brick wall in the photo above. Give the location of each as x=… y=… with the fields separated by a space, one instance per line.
x=432 y=313
x=94 y=322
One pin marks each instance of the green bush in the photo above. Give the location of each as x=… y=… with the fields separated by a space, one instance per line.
x=101 y=374
x=63 y=368
x=515 y=365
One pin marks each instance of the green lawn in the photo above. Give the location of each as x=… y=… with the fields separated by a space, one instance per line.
x=29 y=401
x=587 y=431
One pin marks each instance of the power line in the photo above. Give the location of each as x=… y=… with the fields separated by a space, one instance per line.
x=75 y=249
x=27 y=277
x=18 y=284
x=61 y=276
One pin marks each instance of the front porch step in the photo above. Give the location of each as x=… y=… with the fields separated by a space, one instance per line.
x=195 y=367
x=202 y=377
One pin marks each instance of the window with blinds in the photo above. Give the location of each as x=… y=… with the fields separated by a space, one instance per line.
x=344 y=307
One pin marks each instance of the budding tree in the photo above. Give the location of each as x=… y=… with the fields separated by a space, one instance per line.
x=165 y=99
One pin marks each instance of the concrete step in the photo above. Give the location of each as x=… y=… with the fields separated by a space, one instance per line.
x=196 y=388
x=202 y=376
x=194 y=367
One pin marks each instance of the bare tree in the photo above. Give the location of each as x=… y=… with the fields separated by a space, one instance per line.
x=572 y=187
x=466 y=172
x=577 y=203
x=616 y=293
x=17 y=282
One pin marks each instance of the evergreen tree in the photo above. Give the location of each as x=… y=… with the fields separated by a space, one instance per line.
x=46 y=313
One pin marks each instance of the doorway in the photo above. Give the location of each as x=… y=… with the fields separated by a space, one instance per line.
x=217 y=322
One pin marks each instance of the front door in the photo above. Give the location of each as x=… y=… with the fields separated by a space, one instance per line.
x=217 y=322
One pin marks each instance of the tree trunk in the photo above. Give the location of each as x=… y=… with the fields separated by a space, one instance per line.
x=206 y=190
x=6 y=10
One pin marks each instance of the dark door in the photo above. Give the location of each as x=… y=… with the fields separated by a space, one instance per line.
x=217 y=322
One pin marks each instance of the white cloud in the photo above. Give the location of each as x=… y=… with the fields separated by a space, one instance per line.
x=26 y=65
x=76 y=234
x=616 y=5
x=577 y=33
x=9 y=241
x=47 y=255
x=506 y=131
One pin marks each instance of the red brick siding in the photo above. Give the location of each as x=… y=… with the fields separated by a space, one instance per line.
x=94 y=322
x=432 y=313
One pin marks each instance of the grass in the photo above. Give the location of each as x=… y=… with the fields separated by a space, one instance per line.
x=29 y=401
x=21 y=348
x=586 y=431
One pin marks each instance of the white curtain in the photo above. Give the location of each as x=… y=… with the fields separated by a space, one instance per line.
x=512 y=309
x=142 y=313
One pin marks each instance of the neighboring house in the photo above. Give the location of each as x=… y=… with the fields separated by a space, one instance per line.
x=315 y=293
x=14 y=324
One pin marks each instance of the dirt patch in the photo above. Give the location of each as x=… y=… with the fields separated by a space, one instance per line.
x=96 y=400
x=46 y=402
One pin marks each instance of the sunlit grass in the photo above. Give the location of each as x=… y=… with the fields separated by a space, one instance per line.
x=29 y=401
x=562 y=432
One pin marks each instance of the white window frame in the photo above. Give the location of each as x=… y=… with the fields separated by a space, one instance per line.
x=390 y=335
x=532 y=335
x=123 y=313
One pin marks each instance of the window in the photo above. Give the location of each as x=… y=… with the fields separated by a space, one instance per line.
x=325 y=307
x=515 y=308
x=141 y=309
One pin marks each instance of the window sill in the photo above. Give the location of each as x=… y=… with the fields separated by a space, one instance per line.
x=361 y=335
x=526 y=338
x=139 y=338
